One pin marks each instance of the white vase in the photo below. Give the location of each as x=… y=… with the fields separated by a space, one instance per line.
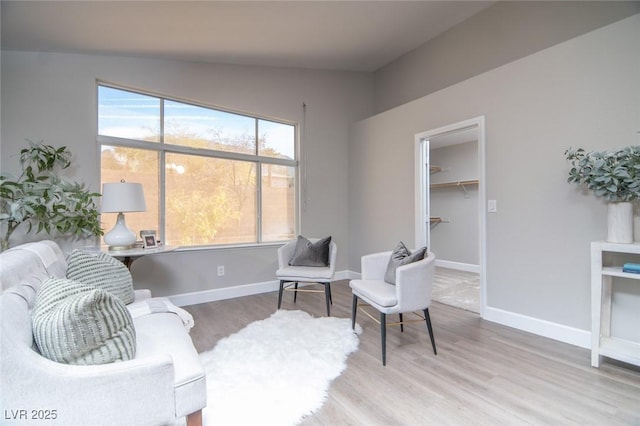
x=620 y=222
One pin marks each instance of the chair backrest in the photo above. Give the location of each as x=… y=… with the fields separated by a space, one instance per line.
x=285 y=253
x=414 y=283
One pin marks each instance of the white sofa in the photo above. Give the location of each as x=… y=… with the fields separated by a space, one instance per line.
x=162 y=385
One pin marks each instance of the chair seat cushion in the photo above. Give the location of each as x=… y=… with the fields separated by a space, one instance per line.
x=376 y=292
x=304 y=273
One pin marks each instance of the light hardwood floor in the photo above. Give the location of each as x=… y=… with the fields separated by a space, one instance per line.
x=457 y=288
x=484 y=373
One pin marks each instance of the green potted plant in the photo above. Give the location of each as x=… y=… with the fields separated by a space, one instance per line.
x=613 y=176
x=42 y=199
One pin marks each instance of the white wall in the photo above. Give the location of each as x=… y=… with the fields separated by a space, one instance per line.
x=583 y=92
x=52 y=97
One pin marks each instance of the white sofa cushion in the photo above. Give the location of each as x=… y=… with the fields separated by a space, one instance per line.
x=28 y=264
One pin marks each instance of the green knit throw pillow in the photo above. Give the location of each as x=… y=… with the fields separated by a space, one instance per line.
x=76 y=323
x=102 y=271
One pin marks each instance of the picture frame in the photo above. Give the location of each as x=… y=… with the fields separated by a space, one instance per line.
x=149 y=238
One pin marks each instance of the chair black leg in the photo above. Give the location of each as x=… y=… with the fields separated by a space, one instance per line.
x=327 y=295
x=427 y=318
x=383 y=337
x=295 y=293
x=280 y=293
x=401 y=324
x=354 y=310
x=330 y=294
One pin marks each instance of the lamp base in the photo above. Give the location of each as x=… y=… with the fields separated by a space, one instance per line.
x=120 y=237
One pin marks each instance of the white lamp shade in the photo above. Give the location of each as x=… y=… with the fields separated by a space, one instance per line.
x=122 y=197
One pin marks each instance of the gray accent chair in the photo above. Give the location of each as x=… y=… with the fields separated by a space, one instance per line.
x=291 y=276
x=411 y=293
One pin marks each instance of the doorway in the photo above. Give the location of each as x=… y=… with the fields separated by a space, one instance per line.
x=450 y=214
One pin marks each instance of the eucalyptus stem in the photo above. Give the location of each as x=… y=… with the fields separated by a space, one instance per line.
x=42 y=199
x=612 y=175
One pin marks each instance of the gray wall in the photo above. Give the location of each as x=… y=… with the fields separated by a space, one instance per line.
x=583 y=92
x=502 y=33
x=52 y=97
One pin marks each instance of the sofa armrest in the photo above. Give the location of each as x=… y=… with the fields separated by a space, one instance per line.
x=139 y=391
x=142 y=294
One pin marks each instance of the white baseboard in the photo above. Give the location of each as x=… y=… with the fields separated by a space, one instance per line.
x=537 y=326
x=467 y=267
x=212 y=295
x=352 y=275
x=533 y=325
x=540 y=327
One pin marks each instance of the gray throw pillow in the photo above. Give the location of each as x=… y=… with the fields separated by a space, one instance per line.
x=103 y=271
x=401 y=255
x=311 y=254
x=76 y=323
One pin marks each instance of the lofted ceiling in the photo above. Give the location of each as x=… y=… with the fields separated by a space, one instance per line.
x=334 y=35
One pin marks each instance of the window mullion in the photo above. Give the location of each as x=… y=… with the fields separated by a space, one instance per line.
x=259 y=201
x=131 y=143
x=258 y=186
x=257 y=138
x=162 y=176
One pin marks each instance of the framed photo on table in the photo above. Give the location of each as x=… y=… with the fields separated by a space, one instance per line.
x=149 y=239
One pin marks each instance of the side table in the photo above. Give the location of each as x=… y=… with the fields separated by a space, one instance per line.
x=128 y=256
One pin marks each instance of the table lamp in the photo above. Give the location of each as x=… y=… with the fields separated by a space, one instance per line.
x=121 y=197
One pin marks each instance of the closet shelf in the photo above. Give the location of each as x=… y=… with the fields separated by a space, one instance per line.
x=462 y=183
x=433 y=221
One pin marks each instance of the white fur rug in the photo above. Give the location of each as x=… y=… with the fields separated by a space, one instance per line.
x=276 y=371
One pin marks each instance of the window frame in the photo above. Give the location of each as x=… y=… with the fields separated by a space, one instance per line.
x=163 y=148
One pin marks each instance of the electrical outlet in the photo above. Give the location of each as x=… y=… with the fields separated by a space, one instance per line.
x=221 y=270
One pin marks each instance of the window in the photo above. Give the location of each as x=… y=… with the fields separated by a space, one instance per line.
x=209 y=176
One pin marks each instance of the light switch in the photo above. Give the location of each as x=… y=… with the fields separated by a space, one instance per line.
x=492 y=206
